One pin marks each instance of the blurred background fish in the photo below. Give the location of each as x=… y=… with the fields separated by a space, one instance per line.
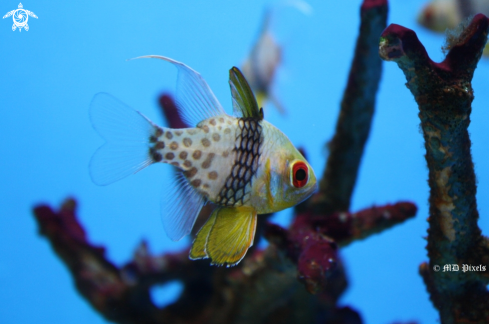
x=440 y=15
x=261 y=65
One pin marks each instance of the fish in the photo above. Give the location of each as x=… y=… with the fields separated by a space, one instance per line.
x=261 y=65
x=242 y=164
x=446 y=15
x=438 y=15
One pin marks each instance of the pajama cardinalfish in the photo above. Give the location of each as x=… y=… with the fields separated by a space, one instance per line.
x=242 y=164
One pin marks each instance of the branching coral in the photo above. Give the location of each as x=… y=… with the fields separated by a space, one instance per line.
x=444 y=95
x=268 y=285
x=357 y=108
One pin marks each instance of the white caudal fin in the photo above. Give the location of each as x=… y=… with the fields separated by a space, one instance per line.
x=194 y=98
x=180 y=206
x=126 y=133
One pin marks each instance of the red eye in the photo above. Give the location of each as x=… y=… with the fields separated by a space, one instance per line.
x=300 y=174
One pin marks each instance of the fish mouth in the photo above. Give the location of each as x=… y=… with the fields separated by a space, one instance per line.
x=313 y=189
x=309 y=192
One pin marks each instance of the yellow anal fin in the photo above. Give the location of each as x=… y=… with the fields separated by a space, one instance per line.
x=198 y=247
x=226 y=236
x=231 y=235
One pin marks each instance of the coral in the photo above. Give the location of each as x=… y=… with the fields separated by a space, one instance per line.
x=298 y=278
x=444 y=95
x=357 y=108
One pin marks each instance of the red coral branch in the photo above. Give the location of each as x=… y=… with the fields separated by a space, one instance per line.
x=347 y=227
x=444 y=95
x=170 y=111
x=96 y=278
x=312 y=240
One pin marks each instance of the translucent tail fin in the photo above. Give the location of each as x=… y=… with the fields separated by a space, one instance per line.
x=127 y=133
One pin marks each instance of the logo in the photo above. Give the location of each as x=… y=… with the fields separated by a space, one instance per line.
x=20 y=17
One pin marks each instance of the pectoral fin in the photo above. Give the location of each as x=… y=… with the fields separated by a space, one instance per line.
x=226 y=236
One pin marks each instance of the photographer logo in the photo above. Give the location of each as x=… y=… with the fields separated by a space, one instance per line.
x=20 y=17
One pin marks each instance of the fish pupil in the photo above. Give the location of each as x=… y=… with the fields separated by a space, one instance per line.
x=300 y=175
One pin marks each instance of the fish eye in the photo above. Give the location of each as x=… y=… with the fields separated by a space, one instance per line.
x=300 y=174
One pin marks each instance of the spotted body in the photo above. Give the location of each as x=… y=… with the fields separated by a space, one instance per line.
x=242 y=163
x=207 y=155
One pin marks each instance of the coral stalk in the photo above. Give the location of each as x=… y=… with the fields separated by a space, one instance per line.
x=444 y=95
x=170 y=111
x=357 y=108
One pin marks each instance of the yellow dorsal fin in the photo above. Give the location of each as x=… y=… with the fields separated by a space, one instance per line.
x=226 y=236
